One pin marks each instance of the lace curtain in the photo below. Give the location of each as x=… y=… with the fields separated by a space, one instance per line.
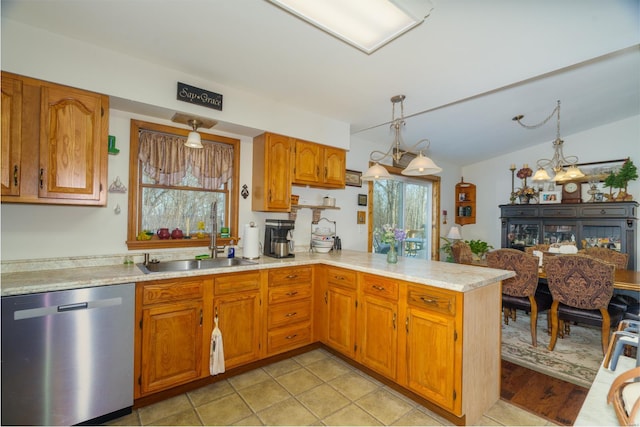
x=166 y=160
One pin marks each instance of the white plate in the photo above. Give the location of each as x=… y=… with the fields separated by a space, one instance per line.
x=321 y=250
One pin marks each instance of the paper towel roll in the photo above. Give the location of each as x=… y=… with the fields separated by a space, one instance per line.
x=251 y=242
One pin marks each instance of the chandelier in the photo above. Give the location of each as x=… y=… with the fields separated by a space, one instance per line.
x=557 y=163
x=420 y=165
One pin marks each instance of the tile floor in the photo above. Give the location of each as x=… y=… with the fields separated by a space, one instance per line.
x=315 y=388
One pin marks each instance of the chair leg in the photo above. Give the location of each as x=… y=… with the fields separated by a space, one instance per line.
x=513 y=314
x=606 y=326
x=506 y=311
x=553 y=311
x=534 y=321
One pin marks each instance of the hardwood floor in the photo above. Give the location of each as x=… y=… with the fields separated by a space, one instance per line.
x=556 y=400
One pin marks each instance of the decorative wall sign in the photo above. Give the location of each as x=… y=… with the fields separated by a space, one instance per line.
x=362 y=200
x=194 y=95
x=361 y=218
x=353 y=178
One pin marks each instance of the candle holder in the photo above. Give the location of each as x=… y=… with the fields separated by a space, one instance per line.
x=512 y=199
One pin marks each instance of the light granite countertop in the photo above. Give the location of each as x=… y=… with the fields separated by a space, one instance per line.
x=26 y=277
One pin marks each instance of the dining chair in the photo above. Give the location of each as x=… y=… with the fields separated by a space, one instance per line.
x=624 y=395
x=625 y=335
x=619 y=259
x=521 y=291
x=581 y=287
x=461 y=252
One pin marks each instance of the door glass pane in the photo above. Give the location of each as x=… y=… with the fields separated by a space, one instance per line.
x=523 y=235
x=602 y=236
x=559 y=233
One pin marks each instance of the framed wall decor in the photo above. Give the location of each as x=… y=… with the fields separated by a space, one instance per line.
x=362 y=217
x=362 y=200
x=550 y=197
x=353 y=178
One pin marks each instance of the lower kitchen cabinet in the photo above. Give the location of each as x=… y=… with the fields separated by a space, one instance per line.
x=170 y=320
x=434 y=350
x=378 y=325
x=341 y=303
x=236 y=302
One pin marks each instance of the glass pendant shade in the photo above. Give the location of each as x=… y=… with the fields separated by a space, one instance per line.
x=541 y=175
x=376 y=172
x=561 y=175
x=193 y=140
x=421 y=166
x=574 y=172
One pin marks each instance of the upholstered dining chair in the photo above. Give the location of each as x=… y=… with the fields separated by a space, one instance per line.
x=619 y=259
x=520 y=292
x=461 y=252
x=581 y=287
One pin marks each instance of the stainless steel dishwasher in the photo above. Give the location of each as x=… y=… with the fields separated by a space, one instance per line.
x=67 y=356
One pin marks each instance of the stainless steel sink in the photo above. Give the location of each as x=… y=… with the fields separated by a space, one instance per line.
x=192 y=264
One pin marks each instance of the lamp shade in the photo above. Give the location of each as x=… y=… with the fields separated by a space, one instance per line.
x=193 y=140
x=421 y=165
x=574 y=172
x=454 y=233
x=376 y=172
x=541 y=175
x=561 y=175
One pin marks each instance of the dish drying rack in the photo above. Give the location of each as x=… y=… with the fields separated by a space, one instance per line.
x=318 y=222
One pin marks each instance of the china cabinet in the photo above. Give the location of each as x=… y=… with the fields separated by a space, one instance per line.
x=611 y=224
x=54 y=138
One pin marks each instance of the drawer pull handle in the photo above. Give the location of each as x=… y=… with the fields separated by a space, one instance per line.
x=292 y=276
x=378 y=288
x=429 y=301
x=290 y=337
x=290 y=294
x=290 y=314
x=41 y=178
x=15 y=175
x=338 y=277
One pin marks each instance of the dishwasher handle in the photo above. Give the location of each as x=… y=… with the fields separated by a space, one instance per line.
x=73 y=307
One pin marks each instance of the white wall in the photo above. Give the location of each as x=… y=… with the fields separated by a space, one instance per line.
x=493 y=178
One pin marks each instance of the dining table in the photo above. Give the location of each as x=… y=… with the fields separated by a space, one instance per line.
x=628 y=280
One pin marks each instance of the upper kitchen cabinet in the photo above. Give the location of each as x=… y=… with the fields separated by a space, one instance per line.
x=271 y=173
x=318 y=165
x=55 y=142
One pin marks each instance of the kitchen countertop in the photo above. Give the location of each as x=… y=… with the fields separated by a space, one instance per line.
x=25 y=277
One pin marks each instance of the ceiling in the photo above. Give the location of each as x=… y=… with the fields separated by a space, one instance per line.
x=466 y=70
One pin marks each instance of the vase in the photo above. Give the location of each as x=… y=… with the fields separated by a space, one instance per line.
x=392 y=255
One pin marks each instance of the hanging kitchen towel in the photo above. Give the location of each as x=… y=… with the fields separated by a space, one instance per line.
x=216 y=354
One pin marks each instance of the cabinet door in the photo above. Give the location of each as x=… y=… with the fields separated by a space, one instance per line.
x=171 y=345
x=11 y=135
x=73 y=144
x=239 y=322
x=379 y=339
x=431 y=361
x=308 y=163
x=334 y=167
x=341 y=319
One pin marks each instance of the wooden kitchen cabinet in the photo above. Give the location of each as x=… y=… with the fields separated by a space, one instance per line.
x=271 y=173
x=318 y=165
x=171 y=337
x=434 y=345
x=341 y=304
x=290 y=308
x=378 y=324
x=57 y=143
x=236 y=302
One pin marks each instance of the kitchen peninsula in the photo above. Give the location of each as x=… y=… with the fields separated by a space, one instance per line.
x=437 y=324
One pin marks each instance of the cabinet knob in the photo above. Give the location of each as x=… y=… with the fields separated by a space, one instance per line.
x=602 y=211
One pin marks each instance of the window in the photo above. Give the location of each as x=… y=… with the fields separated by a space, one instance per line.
x=408 y=203
x=173 y=186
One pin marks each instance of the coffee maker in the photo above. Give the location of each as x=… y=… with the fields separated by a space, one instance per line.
x=277 y=238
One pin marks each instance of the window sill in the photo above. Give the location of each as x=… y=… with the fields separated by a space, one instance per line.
x=176 y=243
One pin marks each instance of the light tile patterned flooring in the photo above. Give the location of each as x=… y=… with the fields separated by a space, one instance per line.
x=314 y=388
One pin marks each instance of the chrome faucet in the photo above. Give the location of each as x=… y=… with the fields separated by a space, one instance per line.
x=213 y=244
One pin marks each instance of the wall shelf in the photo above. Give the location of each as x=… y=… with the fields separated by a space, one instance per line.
x=465 y=198
x=316 y=211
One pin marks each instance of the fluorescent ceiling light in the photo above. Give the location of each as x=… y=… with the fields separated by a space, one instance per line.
x=365 y=24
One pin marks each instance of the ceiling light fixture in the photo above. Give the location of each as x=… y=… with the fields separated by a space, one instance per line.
x=364 y=24
x=420 y=165
x=558 y=162
x=193 y=139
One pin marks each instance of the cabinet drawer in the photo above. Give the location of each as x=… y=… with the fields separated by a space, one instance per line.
x=236 y=283
x=289 y=293
x=559 y=212
x=607 y=211
x=341 y=277
x=519 y=211
x=380 y=286
x=288 y=338
x=286 y=276
x=432 y=299
x=171 y=290
x=285 y=314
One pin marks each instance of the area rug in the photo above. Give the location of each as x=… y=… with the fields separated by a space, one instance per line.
x=576 y=358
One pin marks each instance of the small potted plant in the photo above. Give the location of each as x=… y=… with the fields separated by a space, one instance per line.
x=479 y=248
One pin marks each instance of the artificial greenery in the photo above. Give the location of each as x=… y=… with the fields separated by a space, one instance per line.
x=446 y=248
x=628 y=172
x=479 y=247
